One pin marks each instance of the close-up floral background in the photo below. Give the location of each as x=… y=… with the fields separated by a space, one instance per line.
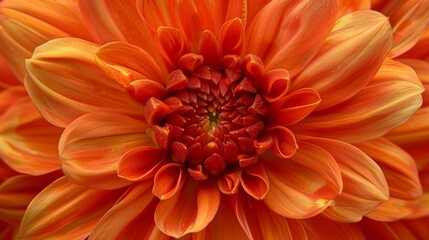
x=210 y=119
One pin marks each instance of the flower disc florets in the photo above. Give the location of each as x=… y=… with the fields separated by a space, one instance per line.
x=212 y=117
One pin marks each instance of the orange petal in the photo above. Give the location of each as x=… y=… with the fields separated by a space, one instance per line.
x=18 y=191
x=26 y=25
x=231 y=37
x=110 y=21
x=8 y=231
x=401 y=174
x=8 y=79
x=64 y=210
x=226 y=220
x=409 y=20
x=422 y=69
x=294 y=107
x=369 y=114
x=283 y=44
x=299 y=190
x=173 y=44
x=126 y=63
x=413 y=230
x=92 y=146
x=28 y=143
x=169 y=180
x=349 y=59
x=176 y=219
x=64 y=82
x=420 y=49
x=260 y=222
x=143 y=89
x=10 y=95
x=141 y=163
x=284 y=142
x=124 y=220
x=348 y=6
x=320 y=226
x=364 y=185
x=254 y=180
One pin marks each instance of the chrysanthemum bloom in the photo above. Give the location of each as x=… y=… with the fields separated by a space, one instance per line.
x=233 y=116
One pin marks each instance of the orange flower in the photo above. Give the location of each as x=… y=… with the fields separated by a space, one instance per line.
x=205 y=116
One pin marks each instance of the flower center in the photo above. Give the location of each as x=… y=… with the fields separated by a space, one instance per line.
x=211 y=117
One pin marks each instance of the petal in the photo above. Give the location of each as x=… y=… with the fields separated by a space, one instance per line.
x=254 y=180
x=409 y=20
x=10 y=95
x=320 y=226
x=92 y=146
x=26 y=25
x=349 y=59
x=369 y=114
x=420 y=49
x=348 y=6
x=303 y=185
x=110 y=21
x=49 y=216
x=231 y=37
x=8 y=79
x=422 y=69
x=176 y=219
x=169 y=180
x=294 y=107
x=415 y=229
x=292 y=37
x=28 y=143
x=64 y=82
x=401 y=174
x=260 y=222
x=364 y=185
x=126 y=63
x=141 y=163
x=124 y=220
x=18 y=191
x=226 y=220
x=284 y=142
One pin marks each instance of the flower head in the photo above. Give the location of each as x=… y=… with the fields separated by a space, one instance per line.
x=193 y=110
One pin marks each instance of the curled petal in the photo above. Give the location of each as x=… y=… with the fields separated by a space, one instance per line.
x=401 y=174
x=294 y=107
x=349 y=59
x=52 y=213
x=143 y=89
x=274 y=84
x=230 y=181
x=422 y=69
x=63 y=78
x=28 y=143
x=92 y=146
x=283 y=44
x=369 y=114
x=364 y=185
x=255 y=181
x=126 y=63
x=176 y=219
x=231 y=37
x=141 y=163
x=284 y=142
x=173 y=43
x=169 y=180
